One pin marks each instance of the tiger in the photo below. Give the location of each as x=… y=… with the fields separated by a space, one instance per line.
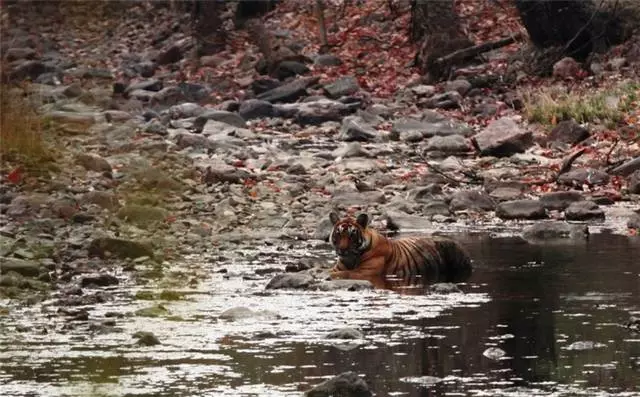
x=364 y=253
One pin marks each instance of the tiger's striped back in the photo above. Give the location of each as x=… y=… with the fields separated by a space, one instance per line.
x=435 y=258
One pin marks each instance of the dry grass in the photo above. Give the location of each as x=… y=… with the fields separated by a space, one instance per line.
x=21 y=130
x=550 y=105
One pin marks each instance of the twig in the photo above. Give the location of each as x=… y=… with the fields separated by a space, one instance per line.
x=474 y=180
x=568 y=162
x=472 y=51
x=615 y=143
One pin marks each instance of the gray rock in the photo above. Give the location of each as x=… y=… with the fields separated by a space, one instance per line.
x=444 y=288
x=31 y=69
x=23 y=267
x=634 y=222
x=560 y=200
x=351 y=149
x=196 y=141
x=521 y=209
x=237 y=313
x=100 y=280
x=142 y=216
x=93 y=162
x=348 y=199
x=584 y=176
x=222 y=116
x=327 y=60
x=150 y=86
x=226 y=174
x=345 y=333
x=460 y=85
x=168 y=96
x=412 y=130
x=627 y=168
x=446 y=100
x=346 y=384
x=291 y=281
x=397 y=220
x=502 y=138
x=423 y=90
x=583 y=211
x=185 y=110
x=634 y=183
x=476 y=200
x=435 y=207
x=287 y=69
x=344 y=285
x=289 y=92
x=354 y=128
x=255 y=109
x=506 y=193
x=323 y=230
x=146 y=338
x=568 y=131
x=585 y=345
x=555 y=230
x=453 y=144
x=16 y=53
x=346 y=85
x=494 y=353
x=315 y=112
x=105 y=247
x=156 y=127
x=221 y=132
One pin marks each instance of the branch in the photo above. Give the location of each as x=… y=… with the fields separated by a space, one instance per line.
x=472 y=51
x=568 y=162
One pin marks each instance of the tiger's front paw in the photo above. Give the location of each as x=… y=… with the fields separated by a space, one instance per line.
x=338 y=274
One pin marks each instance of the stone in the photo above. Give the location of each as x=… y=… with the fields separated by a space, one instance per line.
x=348 y=199
x=344 y=285
x=634 y=183
x=554 y=230
x=345 y=333
x=323 y=230
x=223 y=116
x=560 y=200
x=412 y=130
x=460 y=85
x=634 y=222
x=475 y=200
x=627 y=168
x=502 y=138
x=105 y=247
x=494 y=353
x=255 y=109
x=583 y=211
x=315 y=112
x=327 y=60
x=151 y=86
x=584 y=176
x=346 y=85
x=521 y=209
x=93 y=162
x=346 y=384
x=354 y=128
x=185 y=110
x=423 y=90
x=142 y=216
x=237 y=313
x=566 y=68
x=286 y=69
x=23 y=267
x=289 y=92
x=100 y=280
x=397 y=220
x=351 y=149
x=506 y=193
x=291 y=281
x=146 y=338
x=452 y=144
x=447 y=100
x=568 y=131
x=264 y=84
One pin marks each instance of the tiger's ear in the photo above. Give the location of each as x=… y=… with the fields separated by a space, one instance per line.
x=363 y=220
x=333 y=216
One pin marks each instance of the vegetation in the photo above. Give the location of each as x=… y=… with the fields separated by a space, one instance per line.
x=550 y=105
x=22 y=131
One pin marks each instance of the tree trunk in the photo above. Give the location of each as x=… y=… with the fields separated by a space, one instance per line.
x=435 y=24
x=207 y=25
x=576 y=28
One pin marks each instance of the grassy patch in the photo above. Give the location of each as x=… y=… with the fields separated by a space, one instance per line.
x=551 y=105
x=22 y=132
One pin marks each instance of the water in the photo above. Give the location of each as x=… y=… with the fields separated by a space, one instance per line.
x=532 y=301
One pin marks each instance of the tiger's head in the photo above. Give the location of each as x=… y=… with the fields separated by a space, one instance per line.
x=349 y=238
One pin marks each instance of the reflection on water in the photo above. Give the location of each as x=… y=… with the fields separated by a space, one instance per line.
x=532 y=301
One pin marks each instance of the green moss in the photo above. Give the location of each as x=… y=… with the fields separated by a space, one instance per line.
x=169 y=295
x=144 y=295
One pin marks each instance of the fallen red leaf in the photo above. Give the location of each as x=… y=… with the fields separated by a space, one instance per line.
x=15 y=176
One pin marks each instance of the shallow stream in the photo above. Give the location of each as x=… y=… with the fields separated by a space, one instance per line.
x=532 y=301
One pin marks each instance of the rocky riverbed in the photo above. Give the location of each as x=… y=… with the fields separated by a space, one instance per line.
x=165 y=187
